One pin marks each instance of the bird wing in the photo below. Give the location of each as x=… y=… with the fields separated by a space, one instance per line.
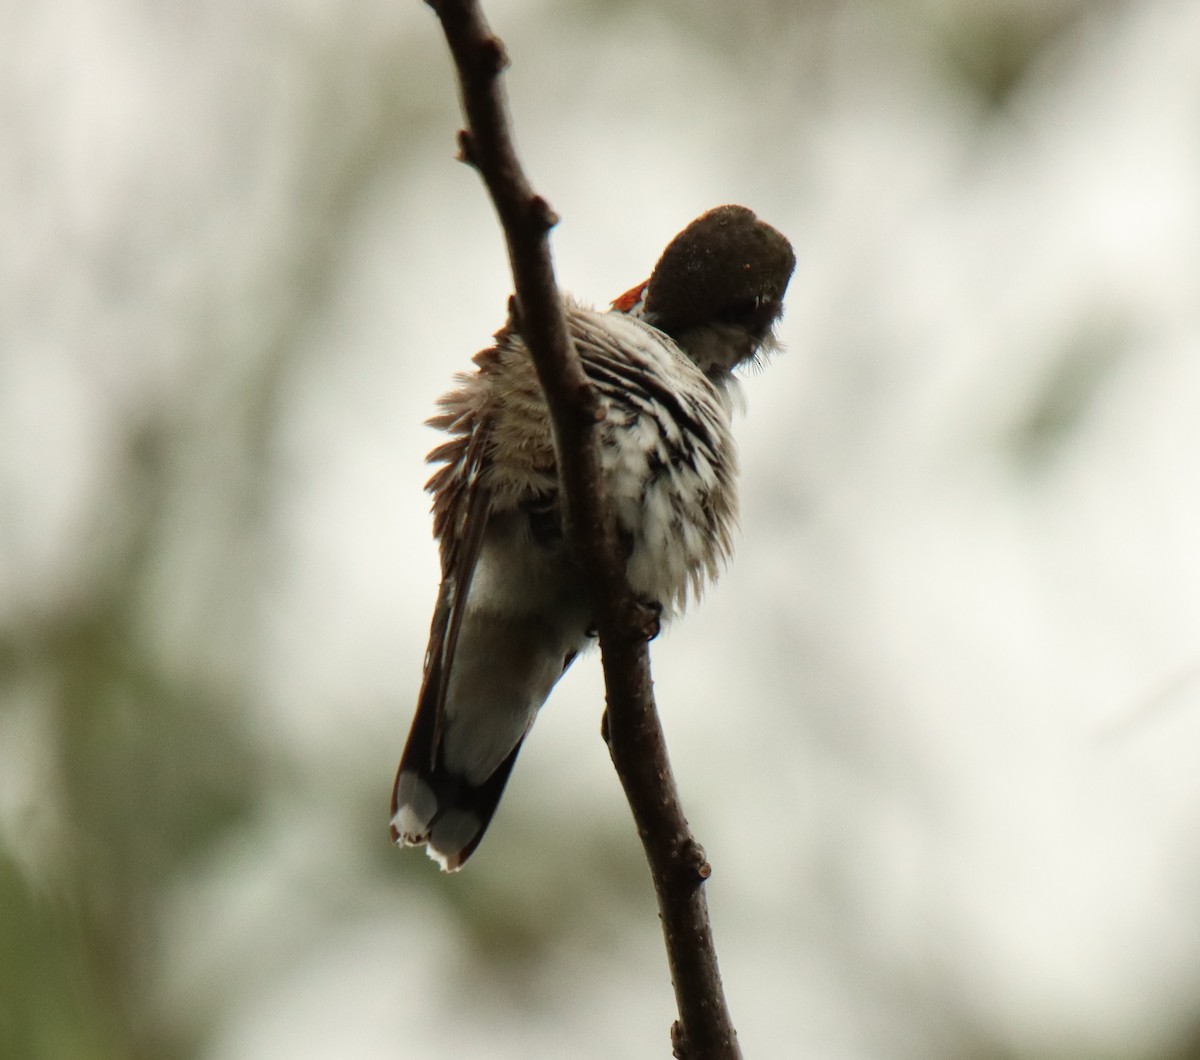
x=461 y=506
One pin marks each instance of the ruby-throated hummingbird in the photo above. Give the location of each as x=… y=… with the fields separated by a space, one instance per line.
x=512 y=612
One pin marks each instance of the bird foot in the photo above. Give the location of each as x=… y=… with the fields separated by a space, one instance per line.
x=649 y=614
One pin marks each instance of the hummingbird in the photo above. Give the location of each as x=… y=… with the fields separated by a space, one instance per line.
x=512 y=611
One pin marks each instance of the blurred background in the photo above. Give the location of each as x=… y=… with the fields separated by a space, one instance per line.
x=939 y=725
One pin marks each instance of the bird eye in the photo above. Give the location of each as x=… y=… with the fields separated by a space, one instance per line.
x=740 y=313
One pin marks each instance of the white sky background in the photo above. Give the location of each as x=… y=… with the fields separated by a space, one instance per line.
x=937 y=727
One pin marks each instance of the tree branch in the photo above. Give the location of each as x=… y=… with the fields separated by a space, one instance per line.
x=678 y=866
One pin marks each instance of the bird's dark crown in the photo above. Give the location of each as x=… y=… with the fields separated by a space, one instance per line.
x=718 y=288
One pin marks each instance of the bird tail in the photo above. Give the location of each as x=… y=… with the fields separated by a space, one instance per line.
x=469 y=728
x=435 y=806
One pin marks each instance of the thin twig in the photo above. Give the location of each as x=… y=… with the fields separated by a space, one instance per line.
x=678 y=866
